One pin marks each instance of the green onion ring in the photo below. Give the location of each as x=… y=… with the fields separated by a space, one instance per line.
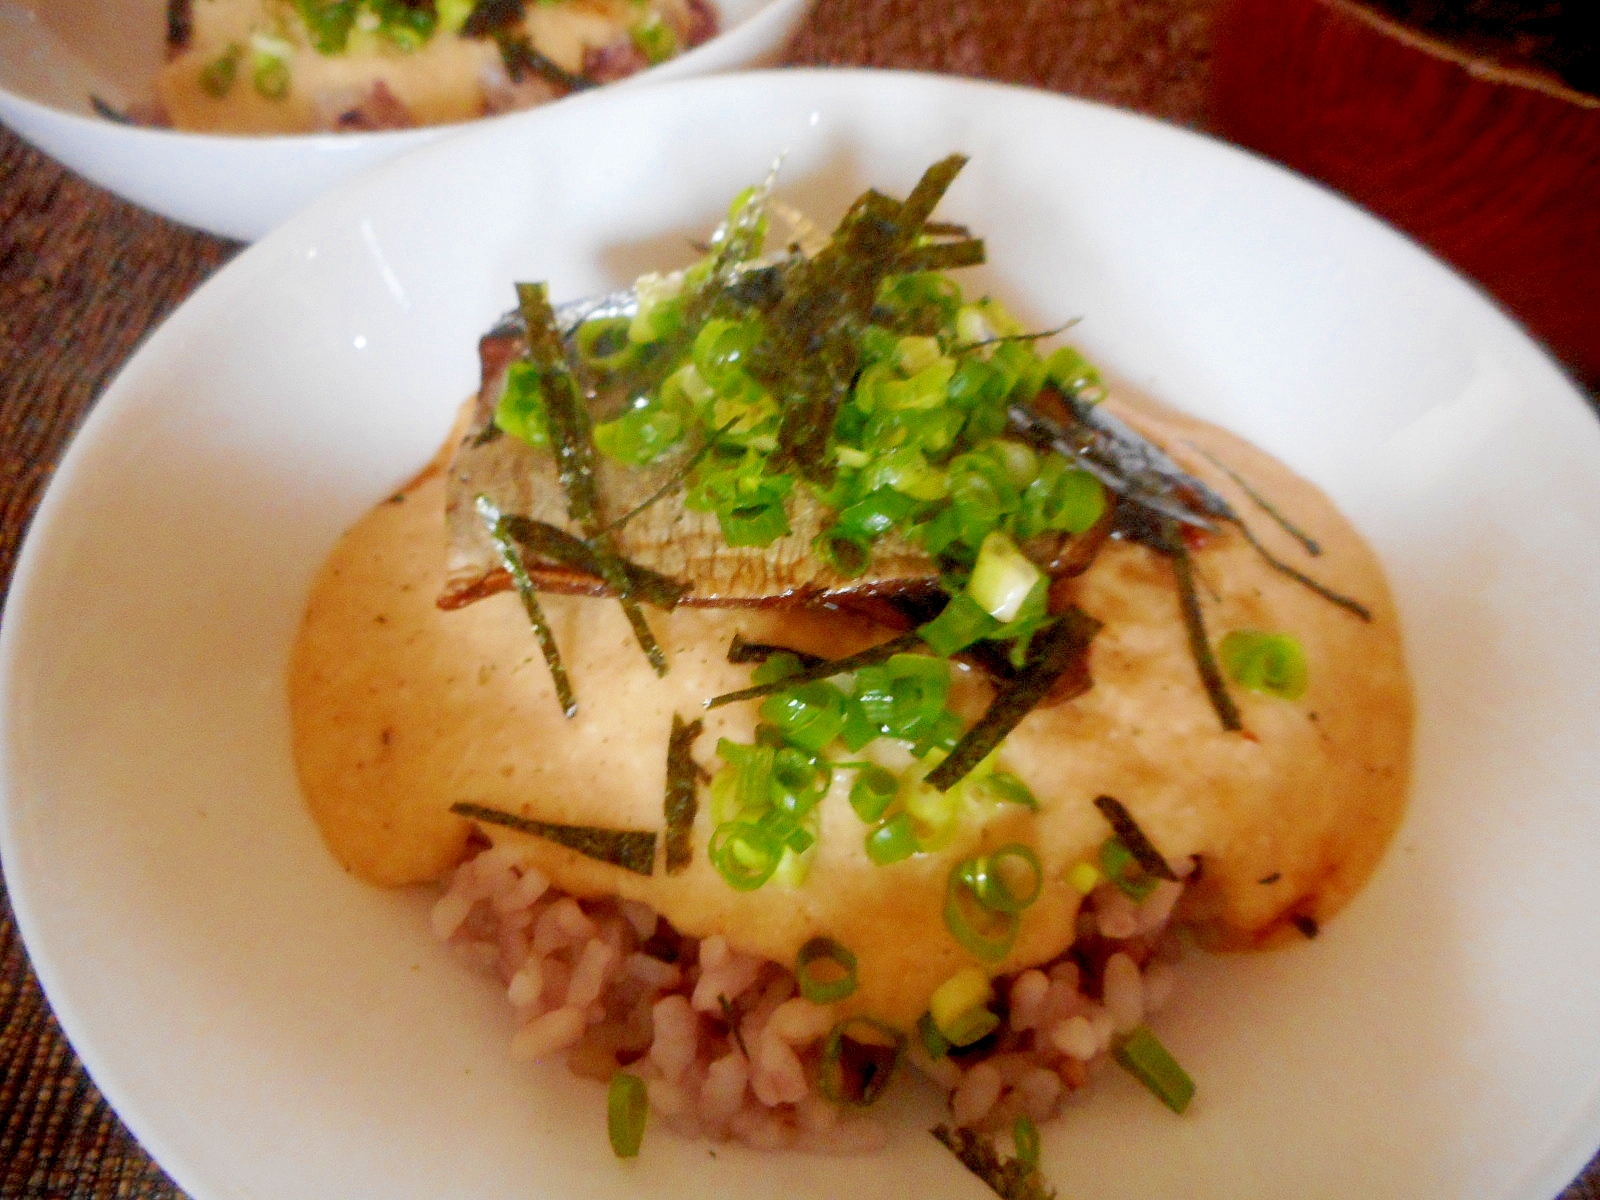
x=745 y=853
x=877 y=1060
x=988 y=883
x=823 y=990
x=985 y=932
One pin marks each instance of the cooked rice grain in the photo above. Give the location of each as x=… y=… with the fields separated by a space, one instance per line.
x=729 y=1050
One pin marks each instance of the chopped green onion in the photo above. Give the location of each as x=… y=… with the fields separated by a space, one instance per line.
x=655 y=39
x=836 y=978
x=876 y=513
x=745 y=853
x=1143 y=1056
x=1025 y=1135
x=752 y=768
x=873 y=791
x=627 y=1105
x=1074 y=374
x=799 y=781
x=848 y=554
x=986 y=933
x=270 y=76
x=934 y=812
x=632 y=850
x=1003 y=787
x=962 y=622
x=809 y=714
x=520 y=410
x=753 y=524
x=994 y=878
x=602 y=342
x=1270 y=663
x=893 y=841
x=328 y=22
x=781 y=665
x=640 y=436
x=1123 y=869
x=1002 y=578
x=859 y=1058
x=217 y=76
x=1062 y=498
x=453 y=14
x=1084 y=877
x=905 y=695
x=959 y=1007
x=934 y=1042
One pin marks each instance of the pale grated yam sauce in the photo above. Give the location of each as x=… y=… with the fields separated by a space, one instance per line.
x=1203 y=731
x=401 y=708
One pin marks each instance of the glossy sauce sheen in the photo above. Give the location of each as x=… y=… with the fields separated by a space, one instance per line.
x=401 y=709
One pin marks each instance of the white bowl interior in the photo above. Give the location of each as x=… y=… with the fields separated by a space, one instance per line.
x=56 y=54
x=270 y=1027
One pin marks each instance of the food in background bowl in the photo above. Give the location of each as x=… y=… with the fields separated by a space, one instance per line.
x=967 y=687
x=288 y=66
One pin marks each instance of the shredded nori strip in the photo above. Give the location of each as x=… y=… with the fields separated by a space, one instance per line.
x=521 y=59
x=942 y=256
x=109 y=111
x=631 y=849
x=511 y=557
x=1010 y=1178
x=682 y=800
x=1170 y=542
x=814 y=355
x=1055 y=650
x=1132 y=837
x=1302 y=578
x=822 y=670
x=742 y=651
x=1308 y=542
x=731 y=1018
x=180 y=23
x=567 y=416
x=491 y=16
x=559 y=546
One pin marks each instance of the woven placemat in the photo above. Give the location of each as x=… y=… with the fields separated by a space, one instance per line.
x=83 y=277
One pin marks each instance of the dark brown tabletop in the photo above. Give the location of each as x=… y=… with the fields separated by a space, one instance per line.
x=84 y=277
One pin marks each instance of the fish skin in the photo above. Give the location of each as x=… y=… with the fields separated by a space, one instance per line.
x=688 y=546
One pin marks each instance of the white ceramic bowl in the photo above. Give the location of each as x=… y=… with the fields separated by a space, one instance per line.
x=269 y=1027
x=55 y=53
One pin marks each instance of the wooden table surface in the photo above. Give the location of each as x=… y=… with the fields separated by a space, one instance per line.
x=84 y=276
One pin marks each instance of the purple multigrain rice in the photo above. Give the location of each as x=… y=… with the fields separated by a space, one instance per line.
x=729 y=1050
